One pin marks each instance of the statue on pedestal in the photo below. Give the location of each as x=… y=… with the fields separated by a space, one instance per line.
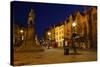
x=30 y=42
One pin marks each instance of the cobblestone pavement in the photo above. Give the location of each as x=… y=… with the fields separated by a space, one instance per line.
x=53 y=55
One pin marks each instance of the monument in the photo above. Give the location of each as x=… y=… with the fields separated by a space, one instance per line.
x=30 y=42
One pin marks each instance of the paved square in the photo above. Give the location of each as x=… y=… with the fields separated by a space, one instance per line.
x=53 y=55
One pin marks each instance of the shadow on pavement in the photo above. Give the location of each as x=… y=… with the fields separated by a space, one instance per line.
x=75 y=54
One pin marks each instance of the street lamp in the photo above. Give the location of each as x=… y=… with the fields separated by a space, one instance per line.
x=21 y=31
x=73 y=37
x=74 y=25
x=49 y=39
x=49 y=33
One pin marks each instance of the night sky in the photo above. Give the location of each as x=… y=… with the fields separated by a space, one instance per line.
x=46 y=14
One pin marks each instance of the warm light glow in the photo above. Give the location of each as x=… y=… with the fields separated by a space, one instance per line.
x=21 y=31
x=74 y=24
x=49 y=33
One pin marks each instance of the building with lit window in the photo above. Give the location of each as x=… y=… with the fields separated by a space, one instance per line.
x=19 y=34
x=85 y=26
x=59 y=35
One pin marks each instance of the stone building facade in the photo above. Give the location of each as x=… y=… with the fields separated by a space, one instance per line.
x=86 y=28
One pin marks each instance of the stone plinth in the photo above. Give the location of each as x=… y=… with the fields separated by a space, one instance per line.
x=29 y=43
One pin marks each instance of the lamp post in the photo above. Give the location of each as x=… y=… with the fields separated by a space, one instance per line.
x=73 y=37
x=22 y=31
x=73 y=25
x=49 y=33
